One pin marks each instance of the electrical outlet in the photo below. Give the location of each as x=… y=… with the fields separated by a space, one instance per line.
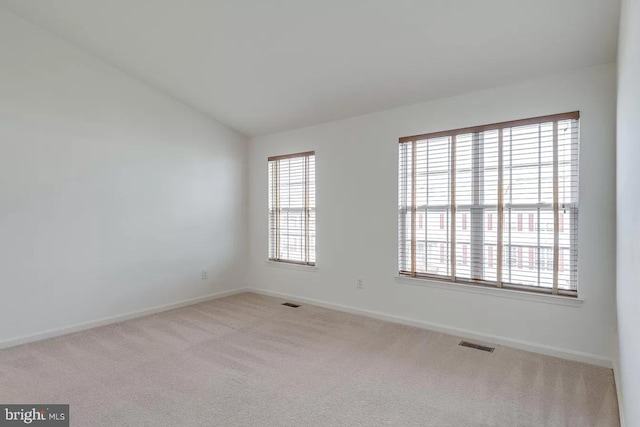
x=360 y=284
x=204 y=274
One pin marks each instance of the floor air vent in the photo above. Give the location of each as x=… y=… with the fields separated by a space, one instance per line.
x=290 y=304
x=477 y=346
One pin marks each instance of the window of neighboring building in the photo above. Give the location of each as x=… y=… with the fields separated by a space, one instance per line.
x=512 y=172
x=292 y=208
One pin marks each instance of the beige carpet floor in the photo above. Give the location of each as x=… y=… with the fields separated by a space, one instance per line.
x=246 y=360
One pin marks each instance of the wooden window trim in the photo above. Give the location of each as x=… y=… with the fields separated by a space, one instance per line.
x=574 y=115
x=291 y=156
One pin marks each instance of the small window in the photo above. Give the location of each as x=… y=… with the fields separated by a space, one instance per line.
x=522 y=174
x=292 y=208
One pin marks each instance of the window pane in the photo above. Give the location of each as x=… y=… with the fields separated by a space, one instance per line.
x=438 y=238
x=463 y=169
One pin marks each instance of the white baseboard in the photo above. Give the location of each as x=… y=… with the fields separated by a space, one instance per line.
x=463 y=333
x=113 y=319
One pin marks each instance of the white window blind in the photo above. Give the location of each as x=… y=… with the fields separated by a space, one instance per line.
x=292 y=208
x=493 y=205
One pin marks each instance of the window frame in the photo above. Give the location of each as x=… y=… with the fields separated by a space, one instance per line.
x=307 y=209
x=560 y=210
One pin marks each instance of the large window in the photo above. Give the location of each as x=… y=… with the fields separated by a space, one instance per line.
x=292 y=208
x=493 y=205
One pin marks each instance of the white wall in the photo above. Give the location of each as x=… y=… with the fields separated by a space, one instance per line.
x=356 y=167
x=628 y=217
x=113 y=196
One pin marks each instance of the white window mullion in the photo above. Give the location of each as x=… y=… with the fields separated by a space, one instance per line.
x=476 y=211
x=413 y=206
x=500 y=211
x=509 y=223
x=288 y=232
x=453 y=207
x=278 y=209
x=539 y=212
x=426 y=209
x=556 y=216
x=306 y=210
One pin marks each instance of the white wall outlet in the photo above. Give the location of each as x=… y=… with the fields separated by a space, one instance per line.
x=204 y=274
x=360 y=284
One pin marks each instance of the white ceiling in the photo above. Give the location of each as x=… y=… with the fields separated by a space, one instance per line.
x=262 y=66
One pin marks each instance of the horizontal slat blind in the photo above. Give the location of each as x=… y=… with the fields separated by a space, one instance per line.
x=292 y=208
x=495 y=205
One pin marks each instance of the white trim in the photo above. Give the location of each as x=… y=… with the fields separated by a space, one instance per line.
x=292 y=266
x=11 y=342
x=496 y=292
x=547 y=350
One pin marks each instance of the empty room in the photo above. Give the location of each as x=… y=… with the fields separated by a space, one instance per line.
x=320 y=213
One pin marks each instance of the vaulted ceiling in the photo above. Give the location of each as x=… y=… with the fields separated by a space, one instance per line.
x=262 y=66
